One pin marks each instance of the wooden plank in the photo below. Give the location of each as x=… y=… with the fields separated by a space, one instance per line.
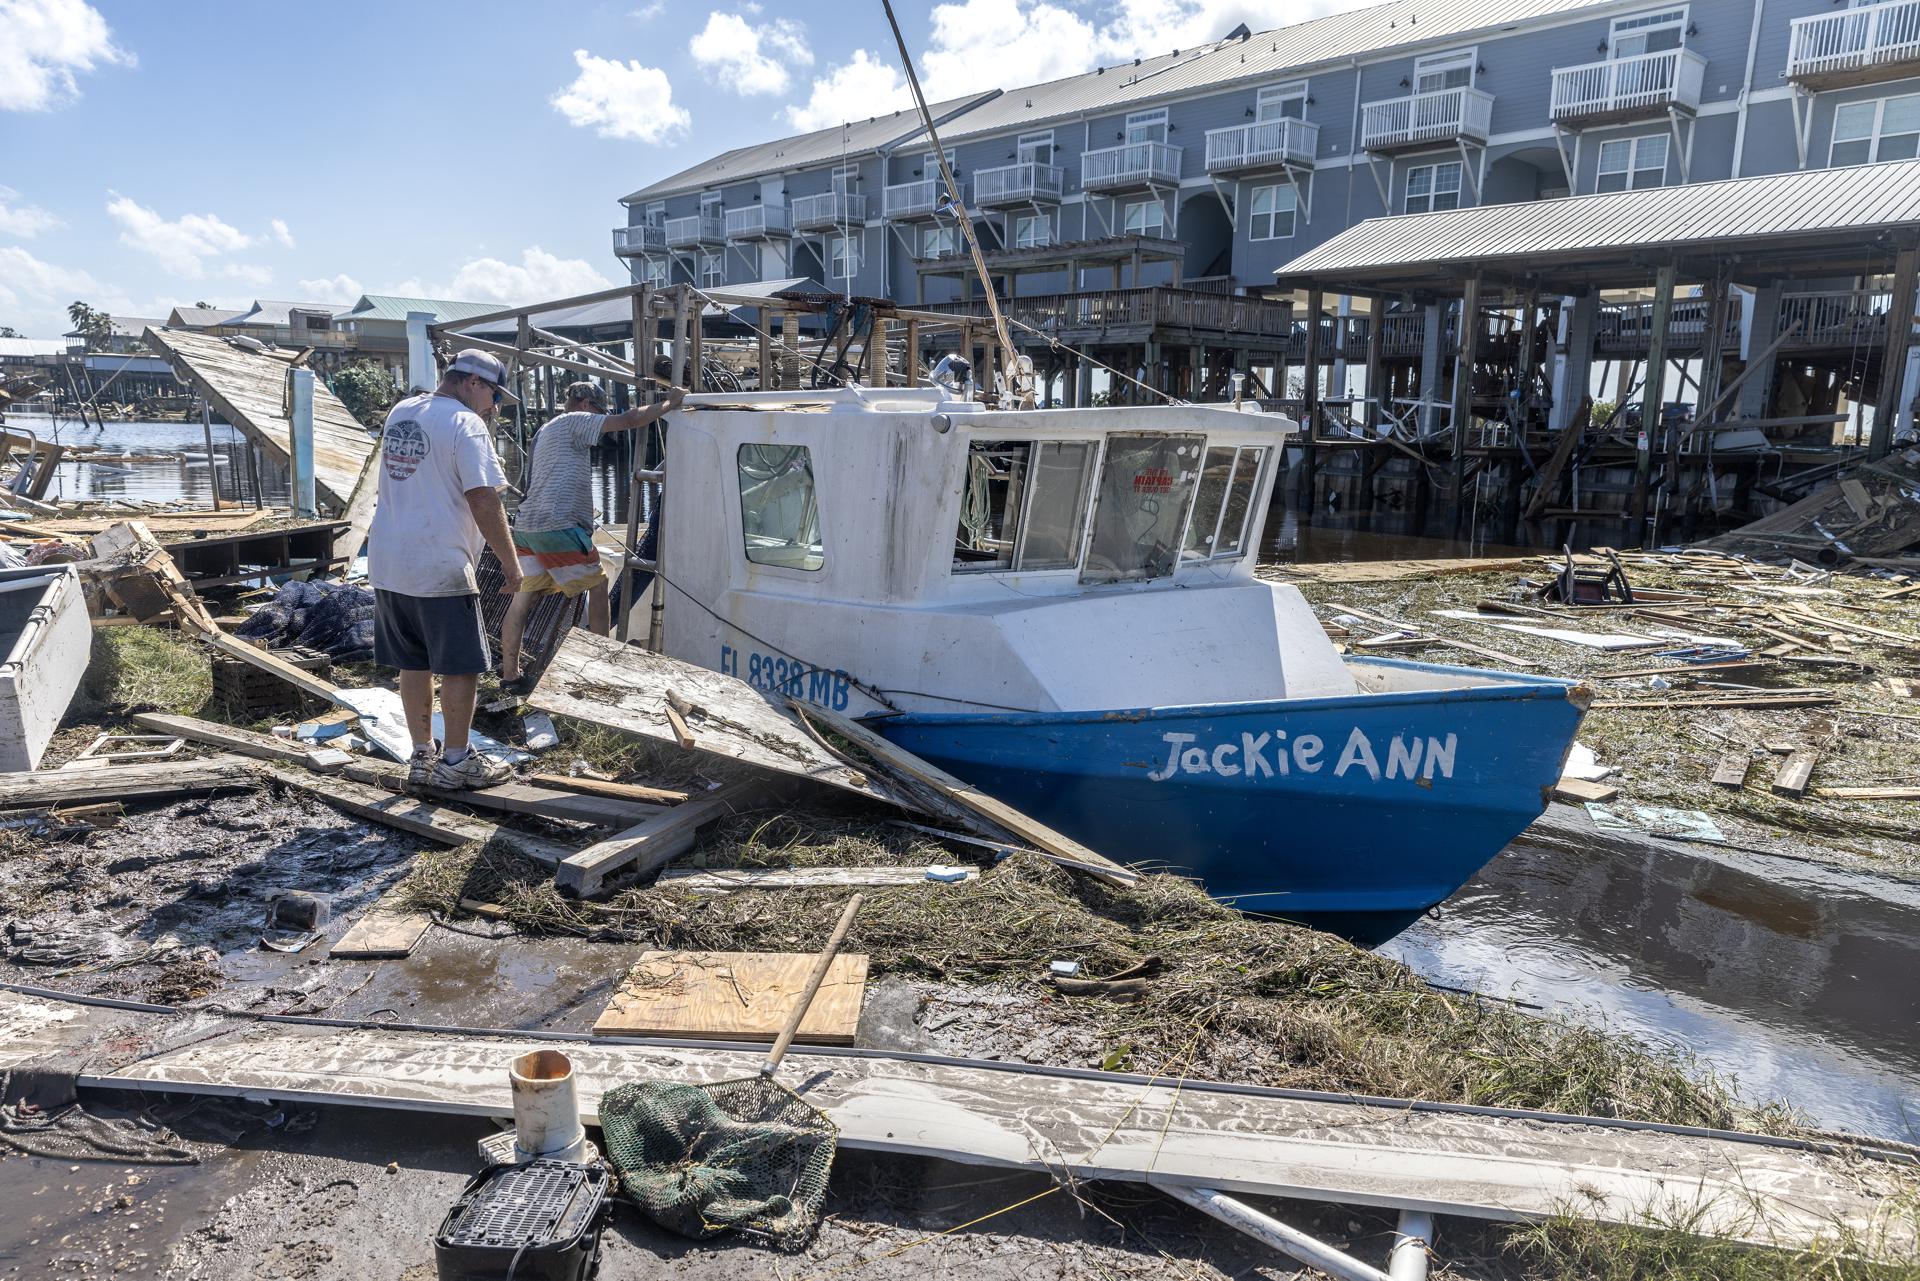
x=653 y=843
x=382 y=934
x=171 y=524
x=244 y=741
x=735 y=996
x=619 y=791
x=1580 y=790
x=1077 y=1123
x=598 y=679
x=727 y=880
x=1512 y=660
x=968 y=797
x=512 y=798
x=1731 y=770
x=421 y=818
x=1870 y=793
x=358 y=512
x=1795 y=771
x=123 y=782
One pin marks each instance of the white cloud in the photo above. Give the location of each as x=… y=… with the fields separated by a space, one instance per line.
x=621 y=100
x=24 y=278
x=281 y=234
x=995 y=44
x=648 y=12
x=863 y=86
x=538 y=275
x=248 y=274
x=24 y=221
x=750 y=59
x=340 y=288
x=180 y=246
x=45 y=43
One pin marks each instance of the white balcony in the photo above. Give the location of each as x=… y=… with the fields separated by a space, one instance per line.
x=646 y=238
x=912 y=201
x=1421 y=119
x=758 y=222
x=1628 y=88
x=1855 y=46
x=1027 y=183
x=1271 y=144
x=828 y=210
x=1133 y=166
x=694 y=230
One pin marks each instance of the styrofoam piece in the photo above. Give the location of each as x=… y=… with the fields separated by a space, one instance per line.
x=384 y=723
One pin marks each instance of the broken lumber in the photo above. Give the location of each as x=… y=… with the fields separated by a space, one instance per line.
x=618 y=791
x=1869 y=793
x=246 y=742
x=420 y=818
x=1731 y=770
x=123 y=782
x=653 y=843
x=512 y=798
x=1051 y=844
x=1579 y=790
x=1513 y=660
x=384 y=933
x=1795 y=771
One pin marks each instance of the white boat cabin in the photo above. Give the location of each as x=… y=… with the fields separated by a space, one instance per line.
x=961 y=559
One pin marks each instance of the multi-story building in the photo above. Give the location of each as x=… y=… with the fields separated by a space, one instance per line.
x=1120 y=204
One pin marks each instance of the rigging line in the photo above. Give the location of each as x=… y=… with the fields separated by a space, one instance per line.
x=1056 y=344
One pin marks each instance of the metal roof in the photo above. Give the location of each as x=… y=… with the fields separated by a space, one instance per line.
x=845 y=141
x=31 y=348
x=264 y=312
x=617 y=313
x=202 y=317
x=394 y=307
x=1837 y=211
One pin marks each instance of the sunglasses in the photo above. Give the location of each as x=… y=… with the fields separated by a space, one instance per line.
x=497 y=393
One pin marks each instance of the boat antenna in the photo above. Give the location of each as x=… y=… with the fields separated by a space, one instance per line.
x=1017 y=380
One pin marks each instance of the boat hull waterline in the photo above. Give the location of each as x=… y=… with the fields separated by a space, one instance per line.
x=1353 y=813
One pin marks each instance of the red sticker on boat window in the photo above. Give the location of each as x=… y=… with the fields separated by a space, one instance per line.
x=1154 y=480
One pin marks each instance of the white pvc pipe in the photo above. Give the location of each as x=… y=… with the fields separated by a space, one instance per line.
x=300 y=444
x=1408 y=1262
x=546 y=1111
x=1288 y=1240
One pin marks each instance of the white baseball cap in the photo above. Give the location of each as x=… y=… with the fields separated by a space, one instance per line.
x=485 y=366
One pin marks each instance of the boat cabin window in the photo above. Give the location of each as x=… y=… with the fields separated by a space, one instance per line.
x=1141 y=504
x=1024 y=505
x=1224 y=501
x=779 y=515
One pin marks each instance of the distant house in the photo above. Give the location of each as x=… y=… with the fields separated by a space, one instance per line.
x=203 y=319
x=123 y=339
x=377 y=325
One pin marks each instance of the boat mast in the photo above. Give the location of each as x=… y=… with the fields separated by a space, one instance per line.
x=1017 y=381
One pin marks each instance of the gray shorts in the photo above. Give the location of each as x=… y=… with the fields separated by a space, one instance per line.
x=439 y=634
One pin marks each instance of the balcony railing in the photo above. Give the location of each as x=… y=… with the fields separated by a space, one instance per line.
x=1271 y=144
x=757 y=222
x=1628 y=326
x=1851 y=318
x=828 y=210
x=1443 y=115
x=1130 y=166
x=1846 y=44
x=1026 y=183
x=908 y=201
x=1626 y=87
x=695 y=229
x=1115 y=309
x=646 y=238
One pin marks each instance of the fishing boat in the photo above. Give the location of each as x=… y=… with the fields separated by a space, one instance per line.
x=1060 y=607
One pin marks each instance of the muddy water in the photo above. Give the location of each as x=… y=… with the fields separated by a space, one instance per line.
x=172 y=480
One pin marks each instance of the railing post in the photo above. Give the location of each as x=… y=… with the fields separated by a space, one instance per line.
x=1463 y=396
x=1653 y=395
x=1893 y=358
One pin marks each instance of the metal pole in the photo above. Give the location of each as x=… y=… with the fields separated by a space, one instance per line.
x=206 y=430
x=642 y=363
x=1310 y=409
x=1463 y=397
x=1408 y=1262
x=300 y=444
x=1288 y=1240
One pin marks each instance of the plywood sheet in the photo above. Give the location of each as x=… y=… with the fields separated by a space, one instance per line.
x=382 y=934
x=735 y=996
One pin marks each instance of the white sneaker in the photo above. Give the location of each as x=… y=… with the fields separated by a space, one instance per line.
x=473 y=770
x=420 y=764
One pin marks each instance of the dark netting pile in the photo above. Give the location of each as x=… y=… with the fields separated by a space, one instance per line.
x=745 y=1155
x=334 y=618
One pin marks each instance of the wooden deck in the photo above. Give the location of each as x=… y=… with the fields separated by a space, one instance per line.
x=249 y=390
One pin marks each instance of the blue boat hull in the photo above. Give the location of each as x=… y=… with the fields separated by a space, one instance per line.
x=1352 y=813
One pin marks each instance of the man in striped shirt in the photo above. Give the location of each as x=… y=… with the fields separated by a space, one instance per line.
x=553 y=531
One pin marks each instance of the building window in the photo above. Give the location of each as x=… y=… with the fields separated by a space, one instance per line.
x=779 y=513
x=712 y=272
x=845 y=179
x=1879 y=129
x=1440 y=71
x=844 y=257
x=938 y=242
x=1273 y=212
x=657 y=271
x=1031 y=231
x=1431 y=187
x=1034 y=148
x=1647 y=33
x=1145 y=218
x=1147 y=126
x=656 y=214
x=1281 y=102
x=710 y=205
x=1628 y=164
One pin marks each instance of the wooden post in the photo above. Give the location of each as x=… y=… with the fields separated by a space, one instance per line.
x=764 y=351
x=696 y=346
x=1893 y=360
x=789 y=350
x=1310 y=409
x=1376 y=391
x=1463 y=396
x=1653 y=395
x=880 y=366
x=1711 y=344
x=213 y=472
x=910 y=364
x=1523 y=363
x=680 y=305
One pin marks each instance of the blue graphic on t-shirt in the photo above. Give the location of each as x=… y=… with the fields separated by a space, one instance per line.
x=404 y=445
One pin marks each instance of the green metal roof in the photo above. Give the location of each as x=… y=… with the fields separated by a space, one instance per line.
x=392 y=307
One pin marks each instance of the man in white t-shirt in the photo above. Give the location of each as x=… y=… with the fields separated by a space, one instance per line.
x=438 y=505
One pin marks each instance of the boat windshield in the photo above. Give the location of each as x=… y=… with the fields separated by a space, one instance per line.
x=779 y=516
x=1140 y=509
x=1223 y=501
x=1024 y=505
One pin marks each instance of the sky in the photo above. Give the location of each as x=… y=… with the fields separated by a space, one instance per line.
x=155 y=154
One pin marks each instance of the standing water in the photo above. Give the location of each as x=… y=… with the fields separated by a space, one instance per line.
x=183 y=479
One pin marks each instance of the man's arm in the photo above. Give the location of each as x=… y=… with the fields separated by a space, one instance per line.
x=641 y=415
x=491 y=517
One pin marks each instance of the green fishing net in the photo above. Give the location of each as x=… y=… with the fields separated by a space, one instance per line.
x=744 y=1155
